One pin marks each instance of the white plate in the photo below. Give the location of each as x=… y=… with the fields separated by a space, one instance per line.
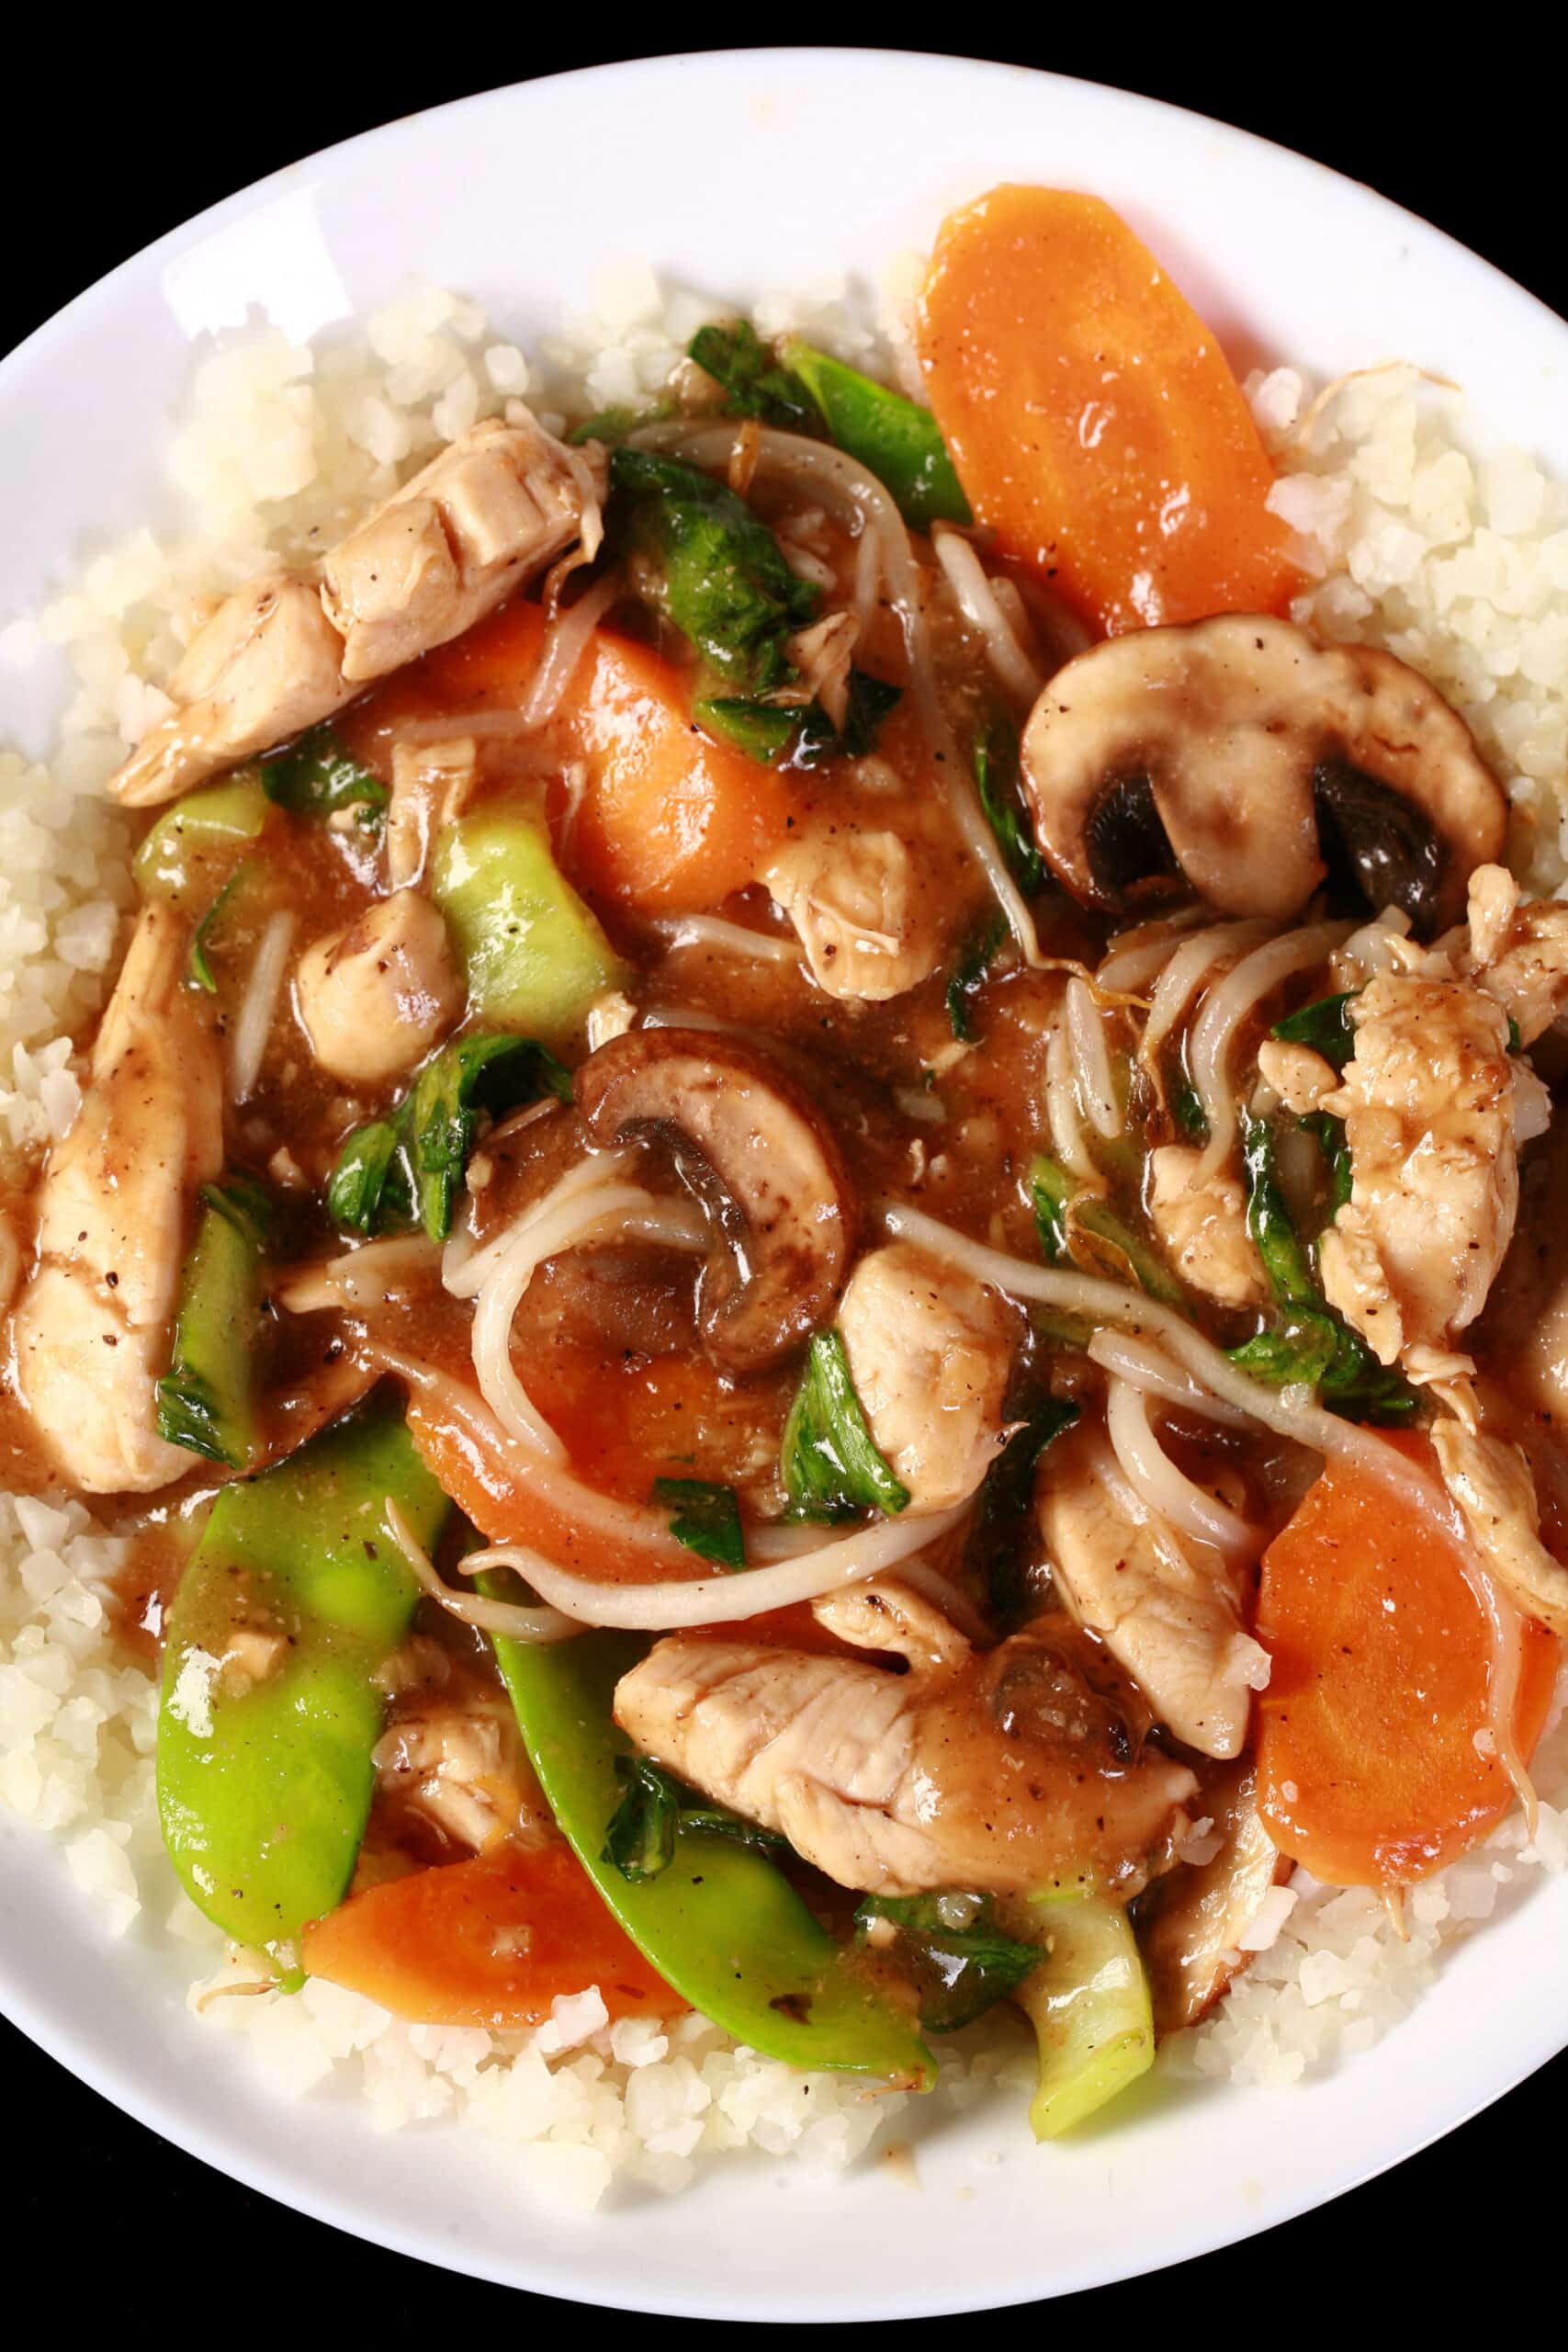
x=735 y=172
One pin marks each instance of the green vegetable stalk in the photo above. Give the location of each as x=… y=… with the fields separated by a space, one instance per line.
x=717 y=1919
x=1088 y=2003
x=293 y=1599
x=189 y=847
x=535 y=955
x=893 y=438
x=207 y=1398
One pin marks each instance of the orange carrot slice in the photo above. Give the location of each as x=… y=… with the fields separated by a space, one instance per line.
x=488 y=1942
x=1094 y=420
x=1369 y=1766
x=666 y=821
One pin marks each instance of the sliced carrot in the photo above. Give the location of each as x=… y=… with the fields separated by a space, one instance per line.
x=672 y=822
x=1094 y=420
x=666 y=821
x=1369 y=1766
x=627 y=1420
x=488 y=1942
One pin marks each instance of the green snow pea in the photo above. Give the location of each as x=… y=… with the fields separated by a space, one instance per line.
x=898 y=441
x=721 y=1922
x=293 y=1598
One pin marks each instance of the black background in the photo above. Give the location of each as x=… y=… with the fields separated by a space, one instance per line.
x=109 y=143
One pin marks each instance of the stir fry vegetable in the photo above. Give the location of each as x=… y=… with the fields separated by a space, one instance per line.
x=1308 y=1343
x=316 y=777
x=706 y=1518
x=1094 y=423
x=407 y=1170
x=770 y=731
x=892 y=437
x=1001 y=1533
x=492 y=1941
x=724 y=581
x=192 y=843
x=1088 y=2003
x=719 y=1922
x=753 y=382
x=293 y=1598
x=994 y=757
x=1064 y=1210
x=640 y=1839
x=829 y=1459
x=207 y=1400
x=1324 y=1025
x=962 y=1961
x=1360 y=1605
x=536 y=957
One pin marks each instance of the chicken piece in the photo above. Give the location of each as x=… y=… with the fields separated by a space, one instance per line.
x=1492 y=1484
x=375 y=997
x=1000 y=1770
x=823 y=654
x=432 y=785
x=92 y=1328
x=1521 y=1343
x=1203 y=1228
x=459 y=1767
x=1431 y=1116
x=1518 y=951
x=865 y=910
x=1301 y=1078
x=1168 y=1618
x=929 y=1353
x=289 y=649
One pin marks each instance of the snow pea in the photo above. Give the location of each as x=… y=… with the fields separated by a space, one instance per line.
x=721 y=1923
x=293 y=1598
x=898 y=441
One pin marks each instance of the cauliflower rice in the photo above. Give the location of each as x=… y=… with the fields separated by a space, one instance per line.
x=1456 y=562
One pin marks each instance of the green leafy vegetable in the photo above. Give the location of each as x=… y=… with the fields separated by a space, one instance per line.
x=406 y=1170
x=1309 y=1342
x=751 y=379
x=612 y=424
x=726 y=585
x=961 y=1963
x=1330 y=1135
x=207 y=1398
x=995 y=1550
x=1516 y=1042
x=828 y=1458
x=766 y=730
x=997 y=780
x=1188 y=1112
x=1059 y=1206
x=200 y=965
x=706 y=1519
x=640 y=1839
x=975 y=961
x=316 y=777
x=1324 y=1025
x=898 y=441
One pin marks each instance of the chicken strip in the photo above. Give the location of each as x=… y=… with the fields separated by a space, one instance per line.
x=1492 y=1484
x=291 y=648
x=866 y=912
x=1004 y=1771
x=1203 y=1228
x=1168 y=1619
x=1518 y=951
x=1432 y=1116
x=92 y=1328
x=929 y=1353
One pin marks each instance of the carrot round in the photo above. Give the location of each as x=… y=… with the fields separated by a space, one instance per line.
x=1368 y=1770
x=488 y=1942
x=1094 y=420
x=663 y=821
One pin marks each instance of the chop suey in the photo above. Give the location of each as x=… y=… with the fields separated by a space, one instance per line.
x=813 y=1234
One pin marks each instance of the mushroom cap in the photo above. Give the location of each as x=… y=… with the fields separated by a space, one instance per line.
x=1238 y=759
x=762 y=1158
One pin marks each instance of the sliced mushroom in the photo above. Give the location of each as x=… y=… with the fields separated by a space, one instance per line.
x=1193 y=1919
x=759 y=1155
x=1237 y=759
